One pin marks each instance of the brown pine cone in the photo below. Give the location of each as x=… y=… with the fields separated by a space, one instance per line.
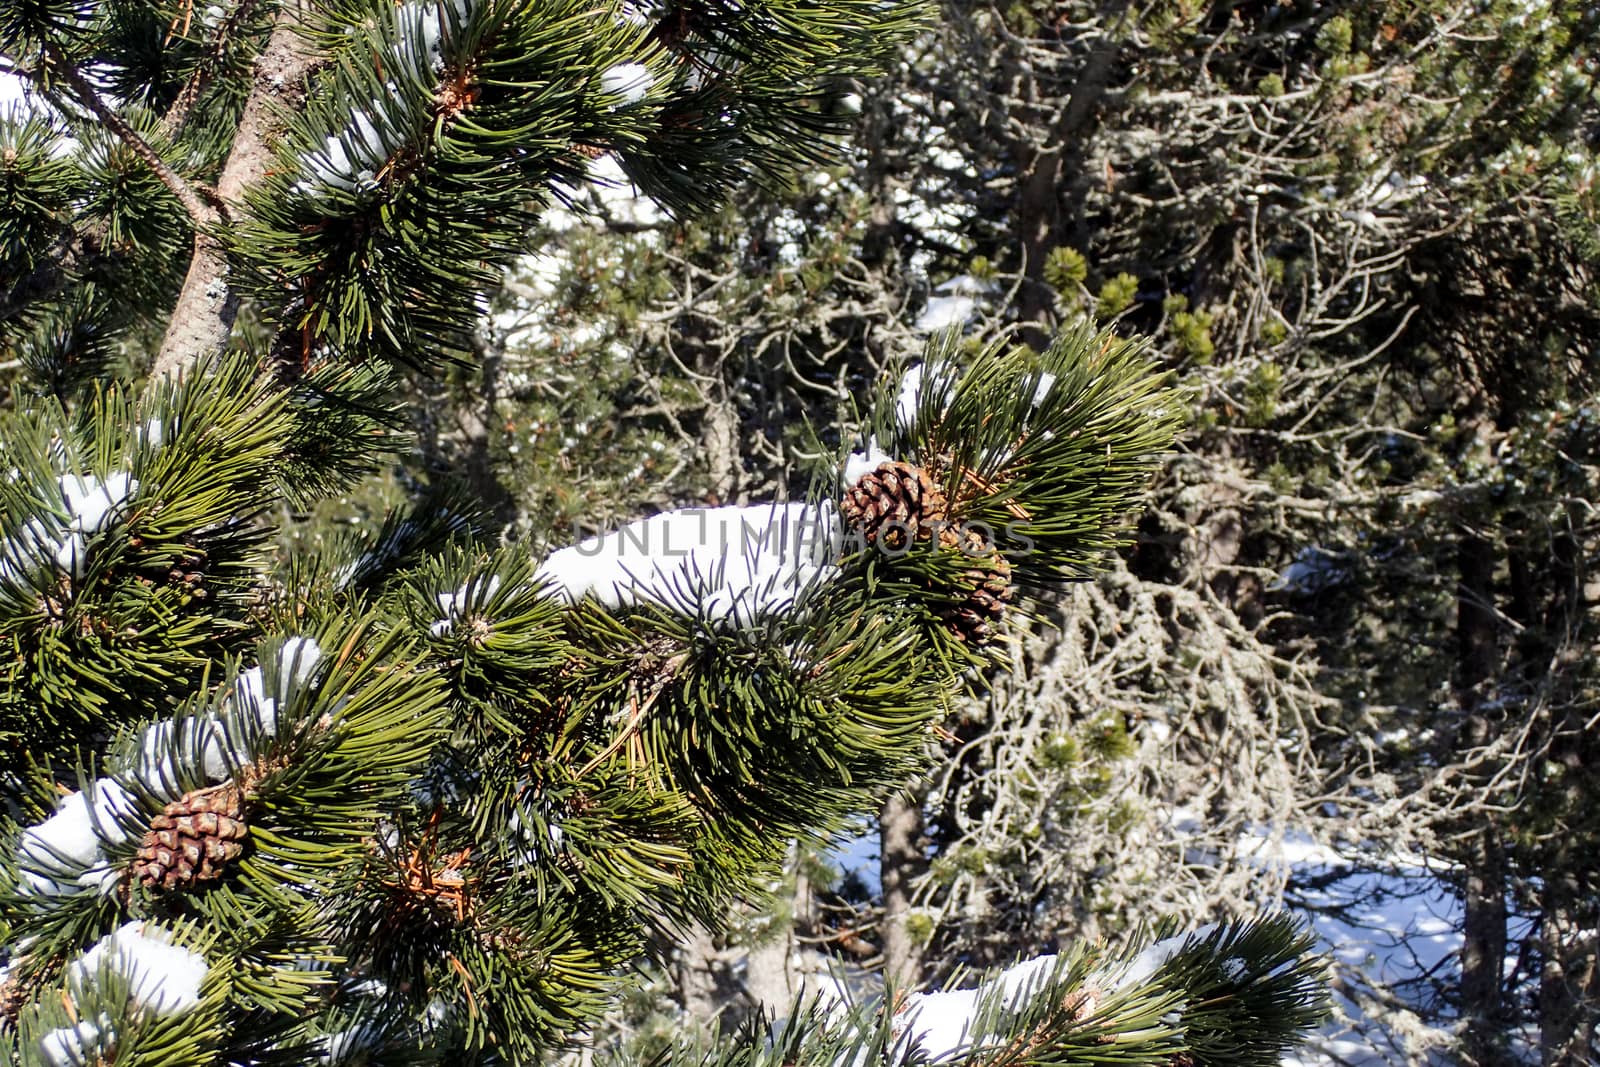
x=893 y=502
x=977 y=618
x=193 y=839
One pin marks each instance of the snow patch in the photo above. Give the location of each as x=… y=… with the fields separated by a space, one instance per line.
x=941 y=1024
x=67 y=850
x=617 y=196
x=92 y=505
x=944 y=312
x=954 y=304
x=13 y=92
x=732 y=564
x=864 y=462
x=162 y=977
x=629 y=81
x=212 y=746
x=939 y=382
x=463 y=603
x=77 y=1045
x=1143 y=967
x=347 y=161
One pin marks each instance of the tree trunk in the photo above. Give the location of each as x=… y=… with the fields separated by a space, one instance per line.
x=879 y=130
x=1569 y=975
x=900 y=861
x=1483 y=946
x=202 y=319
x=1569 y=978
x=476 y=415
x=775 y=971
x=696 y=966
x=1040 y=190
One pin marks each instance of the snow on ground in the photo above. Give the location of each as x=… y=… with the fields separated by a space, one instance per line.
x=1391 y=926
x=1393 y=932
x=954 y=303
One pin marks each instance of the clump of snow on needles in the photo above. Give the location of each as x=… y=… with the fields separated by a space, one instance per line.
x=729 y=564
x=629 y=81
x=67 y=850
x=79 y=1044
x=938 y=382
x=162 y=977
x=463 y=603
x=1143 y=967
x=351 y=159
x=922 y=388
x=423 y=23
x=212 y=745
x=860 y=463
x=93 y=506
x=12 y=90
x=941 y=1024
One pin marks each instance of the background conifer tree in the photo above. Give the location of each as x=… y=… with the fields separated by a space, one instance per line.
x=411 y=795
x=1358 y=604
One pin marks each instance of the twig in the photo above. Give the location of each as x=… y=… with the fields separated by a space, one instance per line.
x=635 y=717
x=200 y=211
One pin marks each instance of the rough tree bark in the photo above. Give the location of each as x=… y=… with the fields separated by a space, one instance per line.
x=696 y=977
x=1569 y=978
x=1569 y=975
x=775 y=970
x=900 y=861
x=474 y=417
x=202 y=320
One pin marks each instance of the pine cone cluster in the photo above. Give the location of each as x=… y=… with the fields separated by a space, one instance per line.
x=193 y=839
x=896 y=501
x=900 y=501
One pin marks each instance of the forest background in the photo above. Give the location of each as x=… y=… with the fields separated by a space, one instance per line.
x=1347 y=663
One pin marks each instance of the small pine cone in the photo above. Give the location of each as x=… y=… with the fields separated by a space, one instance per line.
x=893 y=501
x=189 y=571
x=977 y=618
x=193 y=839
x=13 y=997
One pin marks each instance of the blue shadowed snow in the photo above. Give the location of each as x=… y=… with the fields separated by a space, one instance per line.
x=1394 y=935
x=857 y=852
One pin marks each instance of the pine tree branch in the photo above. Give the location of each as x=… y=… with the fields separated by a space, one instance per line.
x=203 y=317
x=173 y=121
x=198 y=209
